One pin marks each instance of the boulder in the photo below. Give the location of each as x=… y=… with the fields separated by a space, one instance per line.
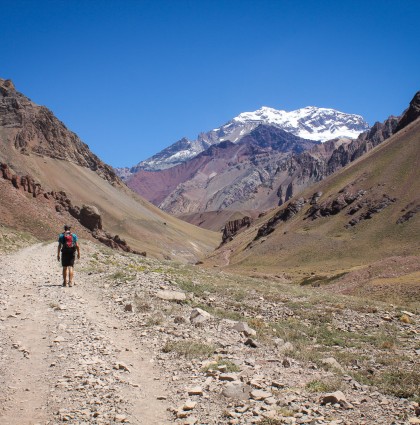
x=336 y=397
x=236 y=390
x=331 y=362
x=90 y=218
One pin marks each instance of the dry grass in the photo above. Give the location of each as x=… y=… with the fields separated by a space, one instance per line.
x=13 y=240
x=324 y=386
x=189 y=348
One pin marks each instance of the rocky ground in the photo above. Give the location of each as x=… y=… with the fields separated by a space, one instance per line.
x=145 y=342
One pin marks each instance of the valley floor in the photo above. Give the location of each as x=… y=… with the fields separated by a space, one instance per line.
x=120 y=347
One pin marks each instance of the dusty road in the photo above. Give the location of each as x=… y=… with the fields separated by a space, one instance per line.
x=63 y=356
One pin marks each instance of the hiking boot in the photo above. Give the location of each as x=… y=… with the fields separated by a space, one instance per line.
x=70 y=283
x=64 y=283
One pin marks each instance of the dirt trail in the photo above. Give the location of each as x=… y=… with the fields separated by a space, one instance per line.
x=63 y=356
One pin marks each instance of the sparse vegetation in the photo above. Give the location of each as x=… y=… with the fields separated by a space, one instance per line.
x=324 y=386
x=397 y=382
x=142 y=304
x=12 y=240
x=271 y=421
x=189 y=349
x=155 y=320
x=228 y=365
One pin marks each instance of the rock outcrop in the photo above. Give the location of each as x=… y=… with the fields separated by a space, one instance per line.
x=88 y=215
x=283 y=215
x=411 y=113
x=33 y=129
x=233 y=227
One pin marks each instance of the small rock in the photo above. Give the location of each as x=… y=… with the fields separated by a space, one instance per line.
x=243 y=327
x=251 y=343
x=228 y=377
x=171 y=295
x=195 y=391
x=260 y=395
x=270 y=401
x=121 y=366
x=120 y=418
x=277 y=384
x=199 y=316
x=189 y=405
x=387 y=318
x=129 y=308
x=336 y=398
x=236 y=390
x=333 y=363
x=181 y=414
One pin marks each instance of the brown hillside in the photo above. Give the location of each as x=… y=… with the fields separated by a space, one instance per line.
x=383 y=222
x=34 y=142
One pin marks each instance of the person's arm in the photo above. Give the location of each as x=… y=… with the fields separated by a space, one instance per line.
x=78 y=250
x=58 y=250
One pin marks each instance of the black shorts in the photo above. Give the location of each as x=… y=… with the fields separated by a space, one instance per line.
x=67 y=258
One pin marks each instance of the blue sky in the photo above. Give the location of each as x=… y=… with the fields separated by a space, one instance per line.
x=132 y=77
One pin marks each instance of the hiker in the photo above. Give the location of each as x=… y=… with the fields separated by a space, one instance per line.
x=67 y=243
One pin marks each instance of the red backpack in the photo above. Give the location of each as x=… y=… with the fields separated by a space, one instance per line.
x=68 y=244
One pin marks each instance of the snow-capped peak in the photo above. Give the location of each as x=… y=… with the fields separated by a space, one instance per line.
x=310 y=122
x=320 y=124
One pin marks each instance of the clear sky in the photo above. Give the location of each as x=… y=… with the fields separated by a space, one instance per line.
x=132 y=77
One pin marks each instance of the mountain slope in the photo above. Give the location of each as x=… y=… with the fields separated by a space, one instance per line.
x=35 y=143
x=361 y=215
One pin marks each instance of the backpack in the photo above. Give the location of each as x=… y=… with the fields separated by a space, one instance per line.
x=68 y=244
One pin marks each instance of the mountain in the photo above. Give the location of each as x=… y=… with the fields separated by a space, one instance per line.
x=318 y=124
x=262 y=170
x=353 y=232
x=48 y=174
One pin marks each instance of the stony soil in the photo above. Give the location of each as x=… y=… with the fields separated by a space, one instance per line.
x=123 y=346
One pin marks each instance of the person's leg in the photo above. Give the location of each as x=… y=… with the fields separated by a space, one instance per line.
x=64 y=276
x=71 y=272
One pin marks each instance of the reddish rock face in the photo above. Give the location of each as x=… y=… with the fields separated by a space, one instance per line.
x=411 y=114
x=233 y=227
x=88 y=216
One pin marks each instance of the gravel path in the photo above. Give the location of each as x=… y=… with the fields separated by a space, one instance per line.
x=63 y=356
x=127 y=344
